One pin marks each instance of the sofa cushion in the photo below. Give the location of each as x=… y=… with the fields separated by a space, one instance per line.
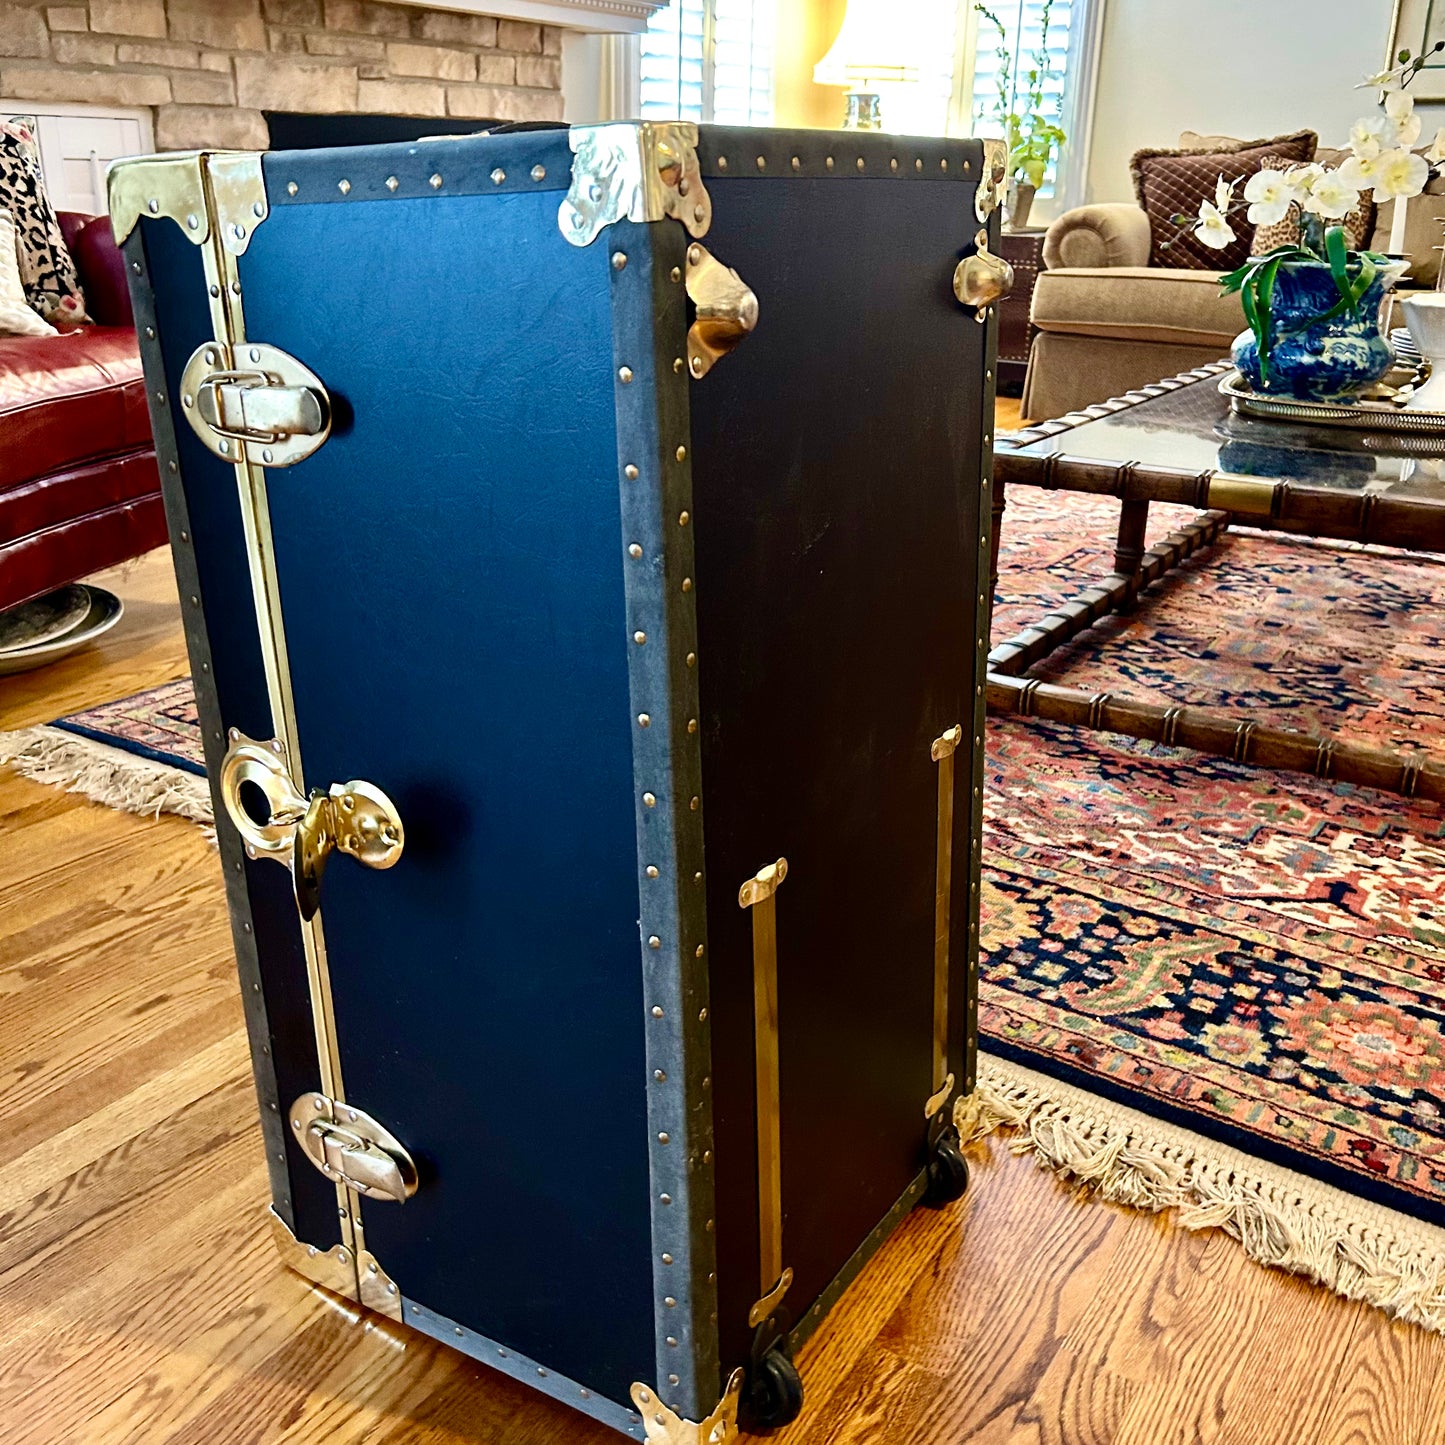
x=1170 y=183
x=68 y=399
x=1137 y=303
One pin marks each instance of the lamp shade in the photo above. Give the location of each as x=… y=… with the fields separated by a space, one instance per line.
x=876 y=46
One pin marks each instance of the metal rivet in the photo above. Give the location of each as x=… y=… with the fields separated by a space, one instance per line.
x=762 y=163
x=644 y=720
x=859 y=163
x=539 y=173
x=697 y=953
x=684 y=186
x=676 y=273
x=656 y=1012
x=392 y=183
x=619 y=260
x=498 y=176
x=268 y=456
x=254 y=354
x=692 y=724
x=687 y=584
x=672 y=1341
x=797 y=164
x=966 y=167
x=630 y=472
x=697 y=366
x=193 y=223
x=676 y=364
x=694 y=255
x=722 y=163
x=694 y=804
x=292 y=188
x=652 y=870
x=682 y=454
x=683 y=518
x=918 y=164
x=698 y=213
x=893 y=164
x=672 y=1305
x=661 y=1079
x=692 y=659
x=213 y=288
x=435 y=182
x=697 y=877
x=650 y=799
x=235 y=288
x=654 y=941
x=943 y=164
x=344 y=186
x=224 y=447
x=150 y=333
x=541 y=1372
x=639 y=638
x=828 y=163
x=459 y=1332
x=672 y=1379
x=624 y=374
x=585 y=1393
x=664 y=1138
x=634 y=549
x=195 y=601
x=707 y=1156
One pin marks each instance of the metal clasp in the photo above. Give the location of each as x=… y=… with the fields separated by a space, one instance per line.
x=268 y=408
x=350 y=1147
x=301 y=832
x=725 y=310
x=982 y=278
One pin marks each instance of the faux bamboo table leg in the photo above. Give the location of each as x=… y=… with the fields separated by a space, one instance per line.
x=1129 y=548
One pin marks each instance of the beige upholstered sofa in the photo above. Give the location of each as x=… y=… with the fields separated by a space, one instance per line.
x=1108 y=321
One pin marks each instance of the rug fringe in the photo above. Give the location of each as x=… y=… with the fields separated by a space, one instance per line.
x=106 y=774
x=1360 y=1250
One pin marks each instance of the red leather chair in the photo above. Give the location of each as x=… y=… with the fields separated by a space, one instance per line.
x=79 y=489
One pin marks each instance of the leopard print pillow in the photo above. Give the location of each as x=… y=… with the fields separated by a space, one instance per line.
x=47 y=270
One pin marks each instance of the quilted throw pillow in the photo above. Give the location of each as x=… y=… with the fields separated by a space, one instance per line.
x=1172 y=183
x=16 y=316
x=47 y=270
x=1359 y=224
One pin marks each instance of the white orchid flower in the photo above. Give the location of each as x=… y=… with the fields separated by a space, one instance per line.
x=1400 y=107
x=1372 y=134
x=1362 y=172
x=1211 y=228
x=1436 y=151
x=1332 y=197
x=1271 y=194
x=1224 y=193
x=1401 y=174
x=1390 y=79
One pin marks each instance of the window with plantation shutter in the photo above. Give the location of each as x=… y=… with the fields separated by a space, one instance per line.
x=1062 y=30
x=709 y=60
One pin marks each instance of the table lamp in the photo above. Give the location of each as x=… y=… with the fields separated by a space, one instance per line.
x=874 y=47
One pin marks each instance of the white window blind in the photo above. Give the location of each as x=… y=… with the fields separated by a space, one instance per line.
x=709 y=60
x=998 y=92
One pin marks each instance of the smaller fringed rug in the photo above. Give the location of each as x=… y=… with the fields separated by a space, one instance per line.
x=142 y=754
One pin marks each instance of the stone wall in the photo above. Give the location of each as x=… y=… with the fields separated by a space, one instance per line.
x=208 y=68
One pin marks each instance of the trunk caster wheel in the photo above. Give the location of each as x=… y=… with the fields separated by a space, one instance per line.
x=947 y=1172
x=773 y=1395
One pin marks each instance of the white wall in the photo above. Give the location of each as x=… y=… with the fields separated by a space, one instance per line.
x=1243 y=68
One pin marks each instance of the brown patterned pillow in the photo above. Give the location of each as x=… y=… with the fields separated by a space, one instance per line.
x=1359 y=224
x=1172 y=182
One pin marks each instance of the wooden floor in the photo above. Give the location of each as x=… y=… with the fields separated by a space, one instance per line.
x=140 y=1302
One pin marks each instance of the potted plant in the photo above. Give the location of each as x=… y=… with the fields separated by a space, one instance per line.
x=1031 y=137
x=1313 y=305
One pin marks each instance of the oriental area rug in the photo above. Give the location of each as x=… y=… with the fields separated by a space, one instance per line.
x=1204 y=987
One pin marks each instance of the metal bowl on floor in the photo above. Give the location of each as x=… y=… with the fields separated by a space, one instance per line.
x=54 y=626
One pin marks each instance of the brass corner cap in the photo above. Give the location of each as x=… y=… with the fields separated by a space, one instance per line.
x=946 y=745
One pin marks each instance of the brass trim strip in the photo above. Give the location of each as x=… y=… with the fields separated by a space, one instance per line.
x=760 y=894
x=942 y=753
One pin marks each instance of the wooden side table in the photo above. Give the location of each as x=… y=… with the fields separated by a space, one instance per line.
x=1024 y=251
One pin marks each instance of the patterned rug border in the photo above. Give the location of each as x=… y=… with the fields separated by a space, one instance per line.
x=1283 y=1220
x=1354 y=1246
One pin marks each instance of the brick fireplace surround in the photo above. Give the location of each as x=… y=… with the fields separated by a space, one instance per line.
x=208 y=68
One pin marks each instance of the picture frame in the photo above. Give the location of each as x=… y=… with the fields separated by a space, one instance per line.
x=1416 y=25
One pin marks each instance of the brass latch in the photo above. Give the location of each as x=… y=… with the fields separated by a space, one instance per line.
x=254 y=402
x=981 y=279
x=725 y=310
x=351 y=1148
x=302 y=832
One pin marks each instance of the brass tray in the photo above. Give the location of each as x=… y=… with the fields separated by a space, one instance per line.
x=1381 y=408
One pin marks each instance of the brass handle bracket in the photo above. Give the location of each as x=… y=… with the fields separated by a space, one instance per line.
x=982 y=278
x=725 y=310
x=299 y=831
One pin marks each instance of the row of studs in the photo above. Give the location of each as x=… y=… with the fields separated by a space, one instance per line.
x=675 y=1152
x=198 y=646
x=860 y=163
x=436 y=181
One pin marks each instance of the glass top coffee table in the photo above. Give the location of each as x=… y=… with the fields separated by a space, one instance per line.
x=1177 y=441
